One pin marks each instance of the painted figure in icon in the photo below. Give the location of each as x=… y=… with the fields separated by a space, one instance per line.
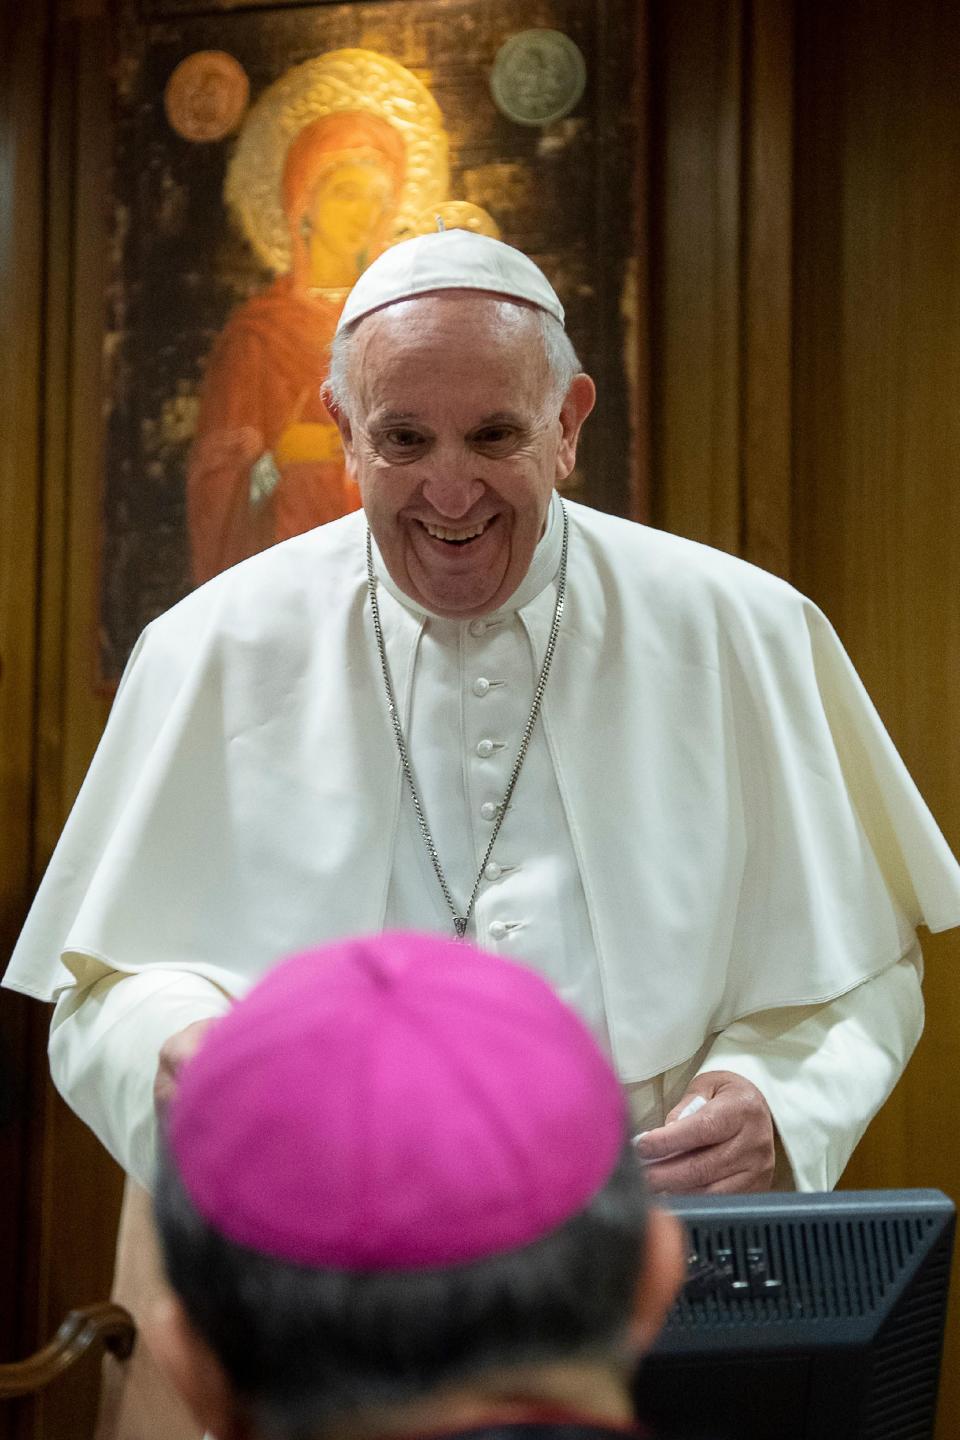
x=330 y=168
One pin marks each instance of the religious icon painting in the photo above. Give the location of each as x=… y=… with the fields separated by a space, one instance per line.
x=263 y=158
x=338 y=158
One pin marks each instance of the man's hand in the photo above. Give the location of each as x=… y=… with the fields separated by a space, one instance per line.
x=174 y=1053
x=725 y=1148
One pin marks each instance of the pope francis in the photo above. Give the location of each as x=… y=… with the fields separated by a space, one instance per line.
x=643 y=767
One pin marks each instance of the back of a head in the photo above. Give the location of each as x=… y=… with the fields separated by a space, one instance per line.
x=398 y=1165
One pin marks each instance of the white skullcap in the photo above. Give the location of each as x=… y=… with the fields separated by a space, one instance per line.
x=449 y=260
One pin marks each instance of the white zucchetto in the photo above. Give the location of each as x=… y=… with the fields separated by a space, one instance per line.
x=449 y=260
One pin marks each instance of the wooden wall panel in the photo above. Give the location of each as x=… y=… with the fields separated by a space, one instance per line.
x=877 y=456
x=23 y=33
x=765 y=450
x=720 y=274
x=76 y=1243
x=60 y=1196
x=696 y=56
x=805 y=363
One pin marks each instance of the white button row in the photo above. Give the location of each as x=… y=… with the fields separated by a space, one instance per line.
x=488 y=810
x=485 y=748
x=481 y=686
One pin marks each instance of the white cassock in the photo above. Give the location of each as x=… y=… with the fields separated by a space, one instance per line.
x=713 y=849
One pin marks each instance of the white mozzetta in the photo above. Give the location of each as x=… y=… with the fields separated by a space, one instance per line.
x=742 y=834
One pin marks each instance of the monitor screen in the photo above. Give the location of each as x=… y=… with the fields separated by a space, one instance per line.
x=804 y=1317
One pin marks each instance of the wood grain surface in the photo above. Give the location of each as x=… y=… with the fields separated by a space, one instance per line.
x=60 y=1194
x=23 y=35
x=877 y=461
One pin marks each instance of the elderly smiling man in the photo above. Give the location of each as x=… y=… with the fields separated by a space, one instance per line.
x=643 y=767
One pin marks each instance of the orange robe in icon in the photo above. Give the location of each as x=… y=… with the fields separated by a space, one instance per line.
x=264 y=374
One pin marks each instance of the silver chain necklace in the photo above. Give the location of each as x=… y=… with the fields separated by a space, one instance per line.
x=460 y=922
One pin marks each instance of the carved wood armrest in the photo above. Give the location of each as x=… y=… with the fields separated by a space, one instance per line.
x=110 y=1324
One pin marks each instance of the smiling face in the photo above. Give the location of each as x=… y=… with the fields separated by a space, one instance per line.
x=457 y=439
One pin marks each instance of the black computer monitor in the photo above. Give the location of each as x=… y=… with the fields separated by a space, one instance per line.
x=805 y=1317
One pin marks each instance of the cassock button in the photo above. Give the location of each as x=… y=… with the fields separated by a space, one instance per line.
x=488 y=810
x=493 y=871
x=477 y=628
x=485 y=748
x=497 y=930
x=481 y=686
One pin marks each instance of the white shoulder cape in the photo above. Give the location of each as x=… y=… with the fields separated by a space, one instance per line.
x=747 y=835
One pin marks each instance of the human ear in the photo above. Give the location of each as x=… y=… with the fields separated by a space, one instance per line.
x=193 y=1370
x=663 y=1272
x=341 y=419
x=577 y=404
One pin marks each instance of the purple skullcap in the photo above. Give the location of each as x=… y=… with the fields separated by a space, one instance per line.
x=395 y=1102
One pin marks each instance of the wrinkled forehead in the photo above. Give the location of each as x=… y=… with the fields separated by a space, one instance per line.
x=454 y=339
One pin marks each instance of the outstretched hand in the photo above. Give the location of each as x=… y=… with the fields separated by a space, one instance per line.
x=725 y=1147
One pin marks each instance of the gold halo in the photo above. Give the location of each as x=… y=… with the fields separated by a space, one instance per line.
x=336 y=81
x=456 y=215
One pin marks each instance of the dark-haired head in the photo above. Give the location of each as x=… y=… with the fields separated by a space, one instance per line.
x=307 y=1353
x=471 y=1239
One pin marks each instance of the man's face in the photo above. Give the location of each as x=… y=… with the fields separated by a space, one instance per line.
x=457 y=443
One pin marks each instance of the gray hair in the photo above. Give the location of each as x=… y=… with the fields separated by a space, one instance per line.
x=562 y=361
